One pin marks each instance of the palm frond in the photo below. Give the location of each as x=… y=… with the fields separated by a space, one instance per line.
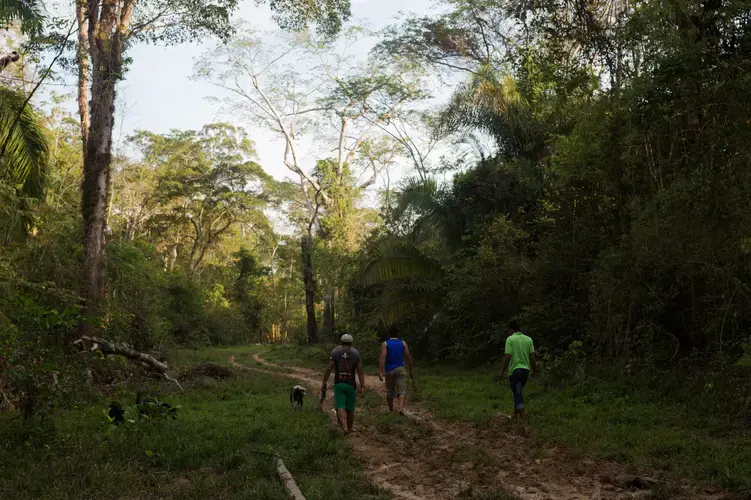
x=400 y=304
x=430 y=203
x=19 y=10
x=493 y=104
x=395 y=259
x=422 y=196
x=24 y=162
x=25 y=11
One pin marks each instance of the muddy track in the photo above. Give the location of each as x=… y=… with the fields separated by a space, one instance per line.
x=439 y=460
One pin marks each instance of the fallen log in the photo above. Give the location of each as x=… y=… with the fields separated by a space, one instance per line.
x=107 y=347
x=288 y=481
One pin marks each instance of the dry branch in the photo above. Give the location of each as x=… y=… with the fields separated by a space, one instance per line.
x=288 y=481
x=108 y=347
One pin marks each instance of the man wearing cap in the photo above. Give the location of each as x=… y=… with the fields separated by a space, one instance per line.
x=345 y=361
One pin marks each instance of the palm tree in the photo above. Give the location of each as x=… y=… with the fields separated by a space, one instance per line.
x=520 y=111
x=393 y=259
x=500 y=106
x=399 y=273
x=400 y=279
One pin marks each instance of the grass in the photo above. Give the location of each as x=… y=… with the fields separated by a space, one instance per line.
x=315 y=357
x=597 y=416
x=618 y=419
x=205 y=453
x=182 y=359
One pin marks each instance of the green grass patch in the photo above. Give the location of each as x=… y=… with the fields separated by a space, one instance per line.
x=205 y=453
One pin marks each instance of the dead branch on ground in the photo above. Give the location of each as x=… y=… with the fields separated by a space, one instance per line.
x=107 y=347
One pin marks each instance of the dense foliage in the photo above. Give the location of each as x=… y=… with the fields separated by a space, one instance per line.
x=608 y=211
x=614 y=209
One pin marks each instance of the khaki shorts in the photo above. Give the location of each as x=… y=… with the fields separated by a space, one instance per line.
x=396 y=382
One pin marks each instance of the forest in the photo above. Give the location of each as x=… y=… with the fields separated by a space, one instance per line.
x=580 y=166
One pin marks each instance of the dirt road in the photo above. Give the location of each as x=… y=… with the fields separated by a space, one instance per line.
x=438 y=460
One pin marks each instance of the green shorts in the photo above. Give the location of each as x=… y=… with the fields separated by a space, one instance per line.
x=344 y=397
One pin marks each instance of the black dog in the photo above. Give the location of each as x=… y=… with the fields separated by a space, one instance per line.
x=151 y=407
x=116 y=413
x=296 y=396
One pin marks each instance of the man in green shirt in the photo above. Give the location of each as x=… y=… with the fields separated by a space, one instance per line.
x=519 y=357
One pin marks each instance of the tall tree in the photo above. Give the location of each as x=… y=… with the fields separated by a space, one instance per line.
x=343 y=104
x=106 y=29
x=204 y=184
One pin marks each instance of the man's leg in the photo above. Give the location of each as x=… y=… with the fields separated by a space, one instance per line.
x=402 y=402
x=342 y=418
x=517 y=380
x=351 y=402
x=400 y=388
x=390 y=390
x=340 y=403
x=512 y=379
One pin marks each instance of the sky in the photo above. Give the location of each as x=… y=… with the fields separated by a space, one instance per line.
x=159 y=94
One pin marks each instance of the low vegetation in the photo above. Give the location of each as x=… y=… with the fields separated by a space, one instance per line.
x=207 y=452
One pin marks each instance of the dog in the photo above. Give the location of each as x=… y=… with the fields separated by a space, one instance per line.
x=116 y=413
x=296 y=396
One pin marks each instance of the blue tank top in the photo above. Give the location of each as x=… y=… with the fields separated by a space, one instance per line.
x=394 y=354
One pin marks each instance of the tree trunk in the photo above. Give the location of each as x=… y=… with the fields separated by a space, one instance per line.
x=328 y=312
x=96 y=180
x=172 y=258
x=106 y=25
x=310 y=287
x=82 y=57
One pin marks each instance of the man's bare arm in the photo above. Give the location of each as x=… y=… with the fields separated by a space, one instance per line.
x=533 y=359
x=506 y=361
x=327 y=373
x=407 y=356
x=361 y=374
x=382 y=361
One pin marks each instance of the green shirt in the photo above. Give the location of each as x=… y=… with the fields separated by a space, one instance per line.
x=519 y=346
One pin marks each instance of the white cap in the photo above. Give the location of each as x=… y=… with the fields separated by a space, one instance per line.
x=346 y=339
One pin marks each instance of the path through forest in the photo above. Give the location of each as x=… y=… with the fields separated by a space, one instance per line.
x=439 y=460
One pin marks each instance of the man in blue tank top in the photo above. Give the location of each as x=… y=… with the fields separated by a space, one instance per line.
x=394 y=353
